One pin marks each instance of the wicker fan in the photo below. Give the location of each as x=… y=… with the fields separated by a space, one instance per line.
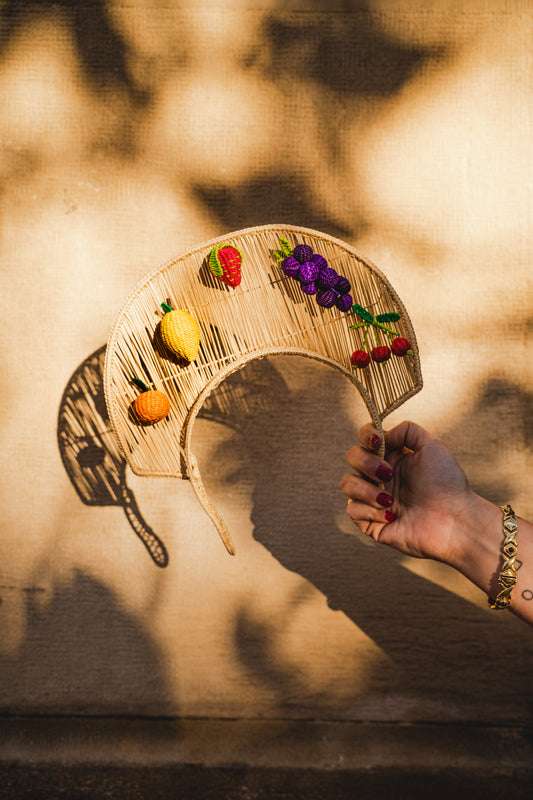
x=263 y=314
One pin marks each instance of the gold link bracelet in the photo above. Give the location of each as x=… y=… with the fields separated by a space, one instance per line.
x=507 y=576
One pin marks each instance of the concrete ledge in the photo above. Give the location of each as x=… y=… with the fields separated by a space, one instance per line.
x=132 y=758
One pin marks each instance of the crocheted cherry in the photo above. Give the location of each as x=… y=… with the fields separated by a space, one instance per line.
x=381 y=354
x=360 y=359
x=150 y=406
x=400 y=346
x=225 y=264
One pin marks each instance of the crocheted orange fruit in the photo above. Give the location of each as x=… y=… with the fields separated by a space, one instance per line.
x=151 y=405
x=180 y=332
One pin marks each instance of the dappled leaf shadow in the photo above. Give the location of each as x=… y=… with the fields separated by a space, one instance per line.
x=346 y=53
x=83 y=653
x=101 y=48
x=500 y=421
x=272 y=199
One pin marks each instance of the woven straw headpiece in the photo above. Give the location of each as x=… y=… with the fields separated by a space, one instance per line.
x=238 y=301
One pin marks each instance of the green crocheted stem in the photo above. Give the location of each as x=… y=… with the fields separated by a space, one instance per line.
x=140 y=385
x=166 y=307
x=365 y=337
x=389 y=331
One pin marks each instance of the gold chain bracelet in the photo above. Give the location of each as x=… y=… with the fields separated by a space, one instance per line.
x=507 y=576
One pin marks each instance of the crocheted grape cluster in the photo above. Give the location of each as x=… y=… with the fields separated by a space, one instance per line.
x=316 y=277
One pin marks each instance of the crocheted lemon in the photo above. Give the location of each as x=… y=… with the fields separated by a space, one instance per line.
x=180 y=332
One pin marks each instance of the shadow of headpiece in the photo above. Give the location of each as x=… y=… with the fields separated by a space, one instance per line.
x=90 y=453
x=286 y=442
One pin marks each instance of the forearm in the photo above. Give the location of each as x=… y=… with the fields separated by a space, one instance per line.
x=479 y=555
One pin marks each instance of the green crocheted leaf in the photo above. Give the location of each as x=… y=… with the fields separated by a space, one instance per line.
x=363 y=313
x=391 y=316
x=214 y=264
x=285 y=247
x=139 y=384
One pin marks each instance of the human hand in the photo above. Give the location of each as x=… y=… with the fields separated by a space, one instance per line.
x=423 y=498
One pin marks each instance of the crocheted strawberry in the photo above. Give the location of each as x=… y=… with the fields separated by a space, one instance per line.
x=225 y=264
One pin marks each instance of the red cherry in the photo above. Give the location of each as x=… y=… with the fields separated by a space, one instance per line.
x=360 y=359
x=380 y=354
x=400 y=346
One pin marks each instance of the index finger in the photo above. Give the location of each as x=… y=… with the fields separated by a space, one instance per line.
x=406 y=435
x=369 y=436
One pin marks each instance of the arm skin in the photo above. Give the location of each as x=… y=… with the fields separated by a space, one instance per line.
x=431 y=511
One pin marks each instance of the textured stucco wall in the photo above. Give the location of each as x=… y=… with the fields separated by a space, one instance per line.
x=131 y=131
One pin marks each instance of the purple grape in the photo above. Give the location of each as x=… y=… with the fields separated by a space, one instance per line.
x=309 y=288
x=302 y=253
x=327 y=278
x=320 y=260
x=326 y=298
x=344 y=302
x=290 y=267
x=343 y=285
x=308 y=272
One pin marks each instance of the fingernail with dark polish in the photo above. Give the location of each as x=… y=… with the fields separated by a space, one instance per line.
x=384 y=473
x=384 y=499
x=373 y=441
x=389 y=516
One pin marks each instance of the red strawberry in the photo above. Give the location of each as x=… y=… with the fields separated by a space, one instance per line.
x=225 y=263
x=360 y=359
x=400 y=346
x=381 y=354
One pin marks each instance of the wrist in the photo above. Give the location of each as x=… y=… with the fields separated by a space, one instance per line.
x=479 y=538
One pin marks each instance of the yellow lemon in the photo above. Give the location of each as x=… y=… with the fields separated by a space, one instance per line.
x=181 y=334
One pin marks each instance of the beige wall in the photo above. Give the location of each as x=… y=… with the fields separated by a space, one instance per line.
x=129 y=132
